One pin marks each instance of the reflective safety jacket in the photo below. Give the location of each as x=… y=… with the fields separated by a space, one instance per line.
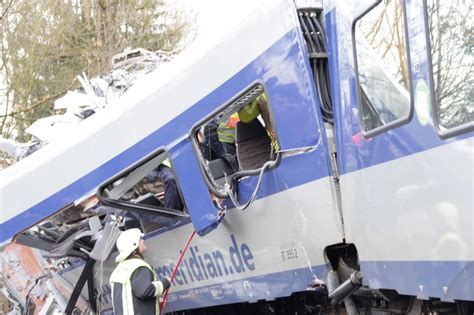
x=133 y=290
x=226 y=129
x=166 y=163
x=250 y=111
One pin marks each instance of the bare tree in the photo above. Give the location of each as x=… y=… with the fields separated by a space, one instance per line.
x=452 y=41
x=451 y=37
x=385 y=31
x=46 y=43
x=382 y=65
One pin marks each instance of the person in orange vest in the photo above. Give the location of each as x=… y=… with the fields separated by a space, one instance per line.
x=259 y=107
x=226 y=136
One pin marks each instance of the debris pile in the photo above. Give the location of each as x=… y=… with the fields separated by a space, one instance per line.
x=92 y=96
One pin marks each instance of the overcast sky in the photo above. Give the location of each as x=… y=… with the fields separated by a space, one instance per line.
x=214 y=15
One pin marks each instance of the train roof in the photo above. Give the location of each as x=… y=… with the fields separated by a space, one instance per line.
x=175 y=86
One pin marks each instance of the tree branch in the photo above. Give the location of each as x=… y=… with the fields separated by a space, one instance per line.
x=4 y=13
x=34 y=106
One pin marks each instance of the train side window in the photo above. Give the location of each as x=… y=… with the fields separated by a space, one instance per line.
x=237 y=140
x=148 y=189
x=449 y=26
x=382 y=67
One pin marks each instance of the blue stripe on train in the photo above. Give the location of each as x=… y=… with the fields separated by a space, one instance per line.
x=251 y=289
x=433 y=277
x=423 y=279
x=355 y=152
x=314 y=164
x=402 y=141
x=448 y=280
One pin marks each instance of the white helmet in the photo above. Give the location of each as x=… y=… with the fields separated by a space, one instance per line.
x=127 y=242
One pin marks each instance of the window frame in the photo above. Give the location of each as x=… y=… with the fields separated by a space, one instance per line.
x=137 y=207
x=443 y=133
x=397 y=122
x=239 y=174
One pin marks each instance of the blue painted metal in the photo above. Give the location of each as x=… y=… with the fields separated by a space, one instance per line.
x=294 y=103
x=296 y=122
x=433 y=274
x=356 y=153
x=403 y=141
x=269 y=286
x=447 y=280
x=203 y=212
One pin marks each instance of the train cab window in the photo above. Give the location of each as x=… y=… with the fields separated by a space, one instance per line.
x=382 y=67
x=237 y=140
x=148 y=190
x=450 y=30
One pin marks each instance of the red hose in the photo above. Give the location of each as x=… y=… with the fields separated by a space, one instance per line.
x=163 y=303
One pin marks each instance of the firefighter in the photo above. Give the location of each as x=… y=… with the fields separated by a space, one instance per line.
x=259 y=107
x=135 y=286
x=226 y=137
x=166 y=175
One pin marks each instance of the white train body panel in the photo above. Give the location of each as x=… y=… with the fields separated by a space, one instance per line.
x=406 y=194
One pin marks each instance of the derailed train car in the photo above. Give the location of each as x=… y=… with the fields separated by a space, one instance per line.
x=354 y=184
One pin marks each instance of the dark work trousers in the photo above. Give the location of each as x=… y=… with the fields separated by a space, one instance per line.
x=228 y=153
x=172 y=197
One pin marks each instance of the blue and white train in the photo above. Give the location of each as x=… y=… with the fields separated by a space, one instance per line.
x=366 y=182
